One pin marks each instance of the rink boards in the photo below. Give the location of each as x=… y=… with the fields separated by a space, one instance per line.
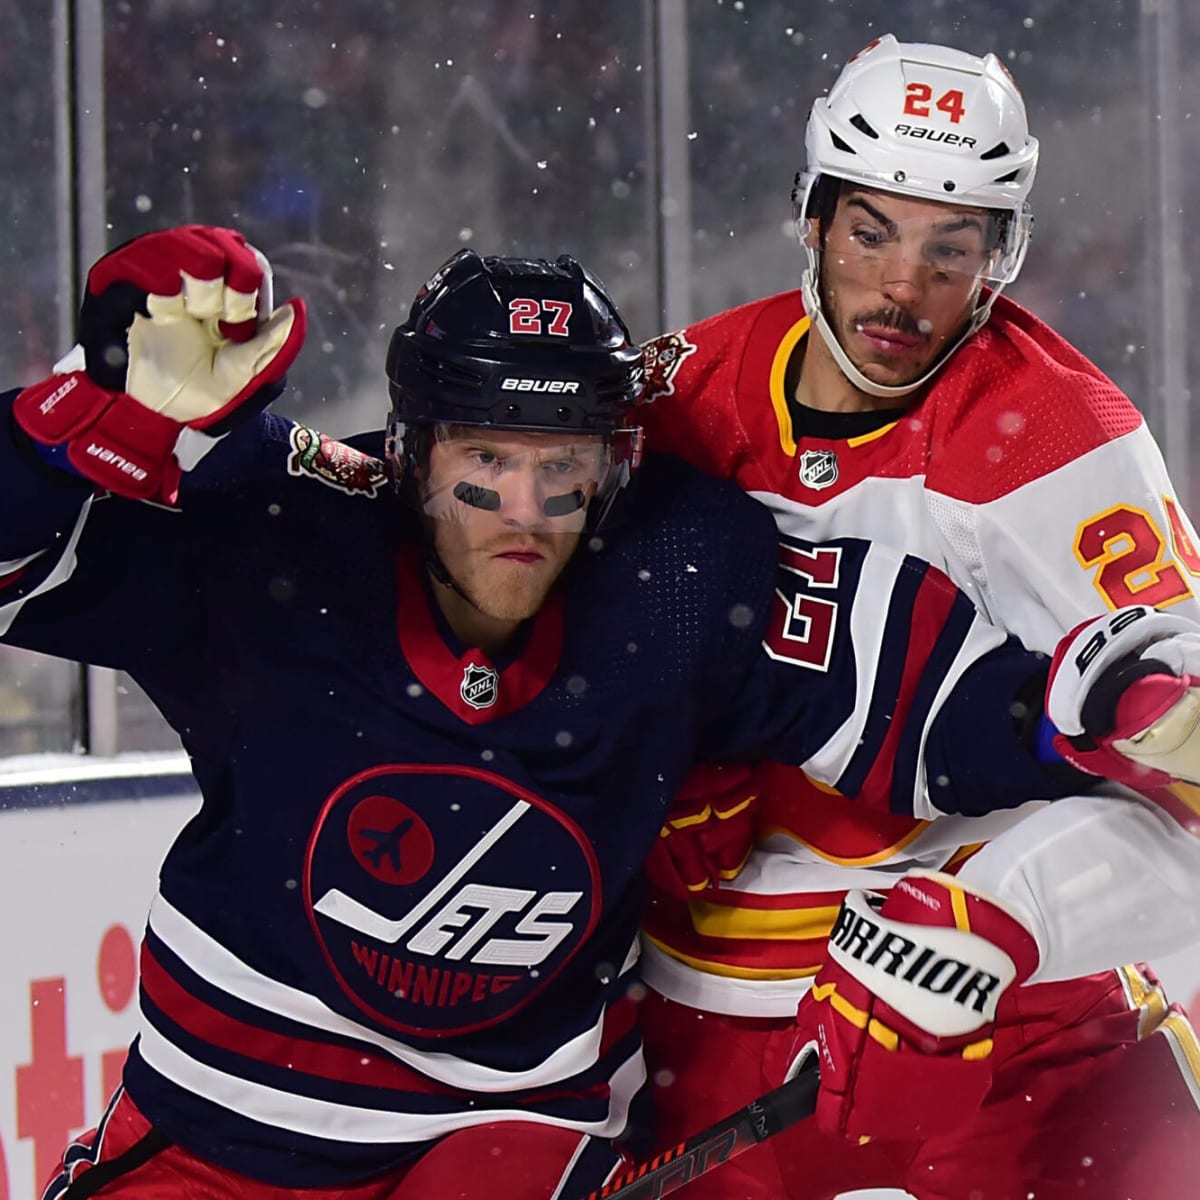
x=80 y=846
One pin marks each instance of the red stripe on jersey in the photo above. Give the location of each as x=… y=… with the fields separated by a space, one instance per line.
x=838 y=829
x=11 y=578
x=619 y=1021
x=343 y=1064
x=932 y=605
x=748 y=958
x=769 y=901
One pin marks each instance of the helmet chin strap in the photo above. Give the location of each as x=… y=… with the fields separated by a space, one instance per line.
x=816 y=312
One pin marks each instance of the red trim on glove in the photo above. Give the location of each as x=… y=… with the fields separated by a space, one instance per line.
x=154 y=262
x=111 y=439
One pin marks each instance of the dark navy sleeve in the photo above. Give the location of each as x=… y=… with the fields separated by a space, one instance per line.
x=880 y=678
x=41 y=502
x=93 y=578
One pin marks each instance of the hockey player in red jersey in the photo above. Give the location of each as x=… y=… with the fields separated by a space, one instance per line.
x=898 y=395
x=438 y=711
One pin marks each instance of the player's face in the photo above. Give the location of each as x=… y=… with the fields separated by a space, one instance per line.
x=899 y=279
x=507 y=512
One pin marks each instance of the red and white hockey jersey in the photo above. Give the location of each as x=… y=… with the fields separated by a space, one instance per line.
x=1033 y=482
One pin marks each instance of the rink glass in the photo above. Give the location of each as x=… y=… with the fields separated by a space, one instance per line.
x=656 y=141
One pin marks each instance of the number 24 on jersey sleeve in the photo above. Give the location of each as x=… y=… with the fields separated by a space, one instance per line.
x=1128 y=551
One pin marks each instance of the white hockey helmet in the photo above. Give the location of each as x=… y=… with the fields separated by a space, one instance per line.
x=929 y=122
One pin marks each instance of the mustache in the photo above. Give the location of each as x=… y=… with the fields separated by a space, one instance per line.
x=891 y=318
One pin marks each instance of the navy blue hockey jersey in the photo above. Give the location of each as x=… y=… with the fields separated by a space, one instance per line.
x=409 y=902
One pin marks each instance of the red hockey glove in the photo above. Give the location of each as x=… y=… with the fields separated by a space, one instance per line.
x=1124 y=693
x=901 y=1015
x=709 y=832
x=178 y=339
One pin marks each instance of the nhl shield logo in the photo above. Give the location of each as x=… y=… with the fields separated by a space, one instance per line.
x=480 y=686
x=818 y=469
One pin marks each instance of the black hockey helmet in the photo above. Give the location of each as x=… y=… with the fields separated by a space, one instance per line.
x=518 y=344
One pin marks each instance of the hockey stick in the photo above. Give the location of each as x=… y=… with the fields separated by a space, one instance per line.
x=703 y=1152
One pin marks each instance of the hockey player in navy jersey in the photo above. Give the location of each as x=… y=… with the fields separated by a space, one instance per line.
x=438 y=694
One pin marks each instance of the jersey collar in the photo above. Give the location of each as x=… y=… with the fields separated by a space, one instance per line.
x=469 y=683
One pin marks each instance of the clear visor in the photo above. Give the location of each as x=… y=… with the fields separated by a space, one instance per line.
x=964 y=247
x=536 y=481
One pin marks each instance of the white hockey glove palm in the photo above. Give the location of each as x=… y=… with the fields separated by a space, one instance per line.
x=1124 y=693
x=178 y=341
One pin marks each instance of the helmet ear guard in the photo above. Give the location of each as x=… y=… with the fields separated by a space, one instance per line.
x=927 y=122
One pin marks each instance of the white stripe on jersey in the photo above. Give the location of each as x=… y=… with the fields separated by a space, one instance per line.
x=59 y=573
x=223 y=970
x=565 y=1182
x=349 y=1123
x=879 y=573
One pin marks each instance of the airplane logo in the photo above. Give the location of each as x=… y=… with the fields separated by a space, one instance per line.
x=387 y=842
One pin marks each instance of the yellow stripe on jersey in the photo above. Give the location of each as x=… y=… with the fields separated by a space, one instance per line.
x=775 y=924
x=779 y=400
x=706 y=814
x=1178 y=1031
x=728 y=970
x=1187 y=793
x=963 y=853
x=864 y=438
x=827 y=788
x=1143 y=995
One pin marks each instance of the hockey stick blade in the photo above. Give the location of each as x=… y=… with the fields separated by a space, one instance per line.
x=705 y=1151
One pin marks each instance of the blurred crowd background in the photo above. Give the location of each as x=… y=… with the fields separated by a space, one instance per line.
x=359 y=142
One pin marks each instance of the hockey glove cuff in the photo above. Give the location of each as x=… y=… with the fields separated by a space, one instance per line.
x=902 y=1014
x=709 y=832
x=1124 y=693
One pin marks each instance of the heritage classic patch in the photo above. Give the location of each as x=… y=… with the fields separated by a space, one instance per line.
x=334 y=463
x=663 y=358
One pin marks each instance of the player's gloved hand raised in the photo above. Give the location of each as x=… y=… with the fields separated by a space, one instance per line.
x=708 y=833
x=1124 y=693
x=902 y=1013
x=178 y=340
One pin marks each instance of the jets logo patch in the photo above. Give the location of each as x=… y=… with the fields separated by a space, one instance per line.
x=445 y=898
x=334 y=463
x=664 y=355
